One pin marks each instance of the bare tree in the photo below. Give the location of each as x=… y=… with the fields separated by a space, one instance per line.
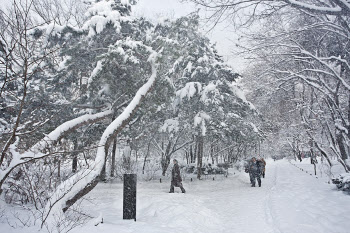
x=296 y=48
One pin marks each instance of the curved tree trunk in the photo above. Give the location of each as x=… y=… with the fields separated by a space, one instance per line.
x=71 y=190
x=34 y=153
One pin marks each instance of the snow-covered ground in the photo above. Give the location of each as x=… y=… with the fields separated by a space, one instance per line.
x=289 y=201
x=323 y=170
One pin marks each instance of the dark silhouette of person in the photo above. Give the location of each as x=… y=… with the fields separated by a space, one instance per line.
x=176 y=180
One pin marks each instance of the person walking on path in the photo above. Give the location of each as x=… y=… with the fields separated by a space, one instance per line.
x=254 y=172
x=176 y=180
x=247 y=170
x=263 y=167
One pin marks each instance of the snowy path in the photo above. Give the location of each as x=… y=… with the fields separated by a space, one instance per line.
x=289 y=201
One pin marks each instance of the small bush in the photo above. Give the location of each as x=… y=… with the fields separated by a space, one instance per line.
x=342 y=182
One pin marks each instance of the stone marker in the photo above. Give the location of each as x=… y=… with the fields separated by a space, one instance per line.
x=129 y=196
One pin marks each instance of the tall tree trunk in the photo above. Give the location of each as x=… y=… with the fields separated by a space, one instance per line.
x=75 y=163
x=338 y=133
x=75 y=156
x=212 y=153
x=103 y=175
x=59 y=169
x=136 y=155
x=147 y=153
x=349 y=123
x=191 y=154
x=200 y=156
x=195 y=151
x=342 y=149
x=166 y=159
x=114 y=151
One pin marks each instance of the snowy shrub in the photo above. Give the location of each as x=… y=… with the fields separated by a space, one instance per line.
x=151 y=170
x=190 y=168
x=225 y=165
x=125 y=167
x=32 y=186
x=72 y=218
x=26 y=216
x=21 y=217
x=342 y=182
x=240 y=165
x=28 y=190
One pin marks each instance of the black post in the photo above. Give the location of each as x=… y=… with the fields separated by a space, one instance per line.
x=129 y=197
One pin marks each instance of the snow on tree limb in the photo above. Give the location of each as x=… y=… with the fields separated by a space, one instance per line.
x=314 y=8
x=84 y=181
x=35 y=152
x=68 y=126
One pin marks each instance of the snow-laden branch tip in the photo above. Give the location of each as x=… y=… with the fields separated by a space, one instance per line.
x=200 y=119
x=314 y=8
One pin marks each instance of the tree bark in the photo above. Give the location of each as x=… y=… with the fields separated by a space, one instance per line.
x=342 y=149
x=191 y=154
x=59 y=169
x=89 y=179
x=114 y=150
x=166 y=159
x=200 y=156
x=75 y=156
x=147 y=153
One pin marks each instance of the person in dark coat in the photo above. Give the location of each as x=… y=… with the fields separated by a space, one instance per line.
x=255 y=169
x=247 y=170
x=263 y=166
x=176 y=180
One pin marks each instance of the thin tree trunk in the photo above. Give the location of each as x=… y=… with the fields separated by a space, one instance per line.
x=342 y=149
x=114 y=151
x=212 y=153
x=166 y=159
x=59 y=169
x=103 y=175
x=75 y=156
x=200 y=156
x=191 y=154
x=195 y=152
x=75 y=163
x=349 y=116
x=147 y=153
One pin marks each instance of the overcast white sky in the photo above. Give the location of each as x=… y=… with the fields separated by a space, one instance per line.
x=155 y=9
x=222 y=34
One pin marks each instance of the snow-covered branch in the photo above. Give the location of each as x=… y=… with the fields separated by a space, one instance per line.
x=74 y=188
x=36 y=151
